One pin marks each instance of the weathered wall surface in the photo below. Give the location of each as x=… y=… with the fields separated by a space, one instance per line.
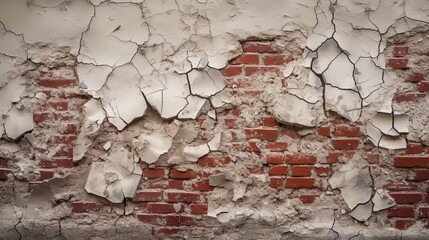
x=231 y=119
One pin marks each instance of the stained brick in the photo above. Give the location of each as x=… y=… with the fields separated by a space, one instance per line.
x=148 y=196
x=175 y=174
x=182 y=197
x=261 y=133
x=300 y=159
x=345 y=144
x=247 y=58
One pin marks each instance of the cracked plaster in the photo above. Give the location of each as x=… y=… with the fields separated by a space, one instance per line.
x=168 y=55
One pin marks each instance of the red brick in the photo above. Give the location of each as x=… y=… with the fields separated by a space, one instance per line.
x=3 y=173
x=57 y=163
x=275 y=158
x=199 y=208
x=147 y=196
x=40 y=117
x=230 y=122
x=69 y=129
x=324 y=131
x=247 y=58
x=301 y=171
x=322 y=171
x=397 y=63
x=4 y=162
x=398 y=187
x=253 y=146
x=406 y=198
x=202 y=186
x=414 y=148
x=299 y=182
x=300 y=159
x=345 y=143
x=259 y=47
x=403 y=224
x=230 y=71
x=66 y=139
x=151 y=219
x=176 y=220
x=411 y=161
x=213 y=161
x=59 y=106
x=261 y=70
x=257 y=170
x=424 y=86
x=163 y=208
x=189 y=174
x=347 y=131
x=278 y=170
x=277 y=59
x=182 y=197
x=308 y=198
x=170 y=184
x=275 y=182
x=276 y=146
x=423 y=212
x=58 y=83
x=269 y=122
x=44 y=175
x=260 y=133
x=333 y=157
x=154 y=172
x=400 y=51
x=419 y=175
x=373 y=158
x=80 y=207
x=64 y=151
x=400 y=212
x=416 y=77
x=409 y=97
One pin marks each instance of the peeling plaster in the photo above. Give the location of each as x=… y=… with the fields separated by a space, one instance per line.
x=168 y=54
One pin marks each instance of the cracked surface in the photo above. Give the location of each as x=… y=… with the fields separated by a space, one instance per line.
x=151 y=59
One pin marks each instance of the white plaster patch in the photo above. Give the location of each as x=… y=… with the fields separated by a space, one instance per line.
x=116 y=178
x=121 y=96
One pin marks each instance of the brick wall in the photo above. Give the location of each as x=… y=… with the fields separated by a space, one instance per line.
x=175 y=202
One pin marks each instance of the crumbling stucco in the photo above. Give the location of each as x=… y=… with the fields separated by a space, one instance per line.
x=157 y=64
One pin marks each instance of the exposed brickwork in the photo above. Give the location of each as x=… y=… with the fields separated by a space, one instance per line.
x=175 y=200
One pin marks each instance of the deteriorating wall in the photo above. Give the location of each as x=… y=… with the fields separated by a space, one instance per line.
x=229 y=119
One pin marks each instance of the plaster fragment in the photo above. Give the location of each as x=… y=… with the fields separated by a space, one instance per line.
x=362 y=212
x=150 y=146
x=385 y=129
x=121 y=97
x=382 y=200
x=107 y=145
x=193 y=153
x=116 y=178
x=92 y=77
x=193 y=108
x=18 y=122
x=354 y=181
x=216 y=180
x=206 y=83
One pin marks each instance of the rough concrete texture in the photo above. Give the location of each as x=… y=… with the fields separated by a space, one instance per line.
x=209 y=119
